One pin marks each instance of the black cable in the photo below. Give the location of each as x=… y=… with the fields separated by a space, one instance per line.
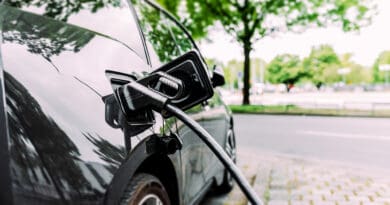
x=218 y=151
x=156 y=101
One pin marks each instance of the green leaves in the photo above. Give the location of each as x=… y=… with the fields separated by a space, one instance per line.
x=248 y=21
x=383 y=59
x=322 y=65
x=285 y=69
x=62 y=10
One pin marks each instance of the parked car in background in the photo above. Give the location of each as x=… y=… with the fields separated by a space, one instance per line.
x=63 y=138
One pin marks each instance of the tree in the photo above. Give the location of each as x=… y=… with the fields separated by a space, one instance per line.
x=233 y=72
x=285 y=69
x=249 y=21
x=43 y=38
x=322 y=65
x=233 y=67
x=359 y=74
x=258 y=69
x=62 y=10
x=28 y=121
x=378 y=75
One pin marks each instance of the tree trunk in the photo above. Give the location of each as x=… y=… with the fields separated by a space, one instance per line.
x=247 y=73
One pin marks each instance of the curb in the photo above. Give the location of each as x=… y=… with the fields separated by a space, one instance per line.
x=311 y=114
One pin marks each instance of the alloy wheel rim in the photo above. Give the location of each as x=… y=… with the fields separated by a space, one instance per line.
x=231 y=152
x=151 y=199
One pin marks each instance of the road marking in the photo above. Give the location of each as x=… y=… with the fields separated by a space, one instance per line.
x=345 y=135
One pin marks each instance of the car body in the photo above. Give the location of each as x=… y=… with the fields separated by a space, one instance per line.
x=61 y=140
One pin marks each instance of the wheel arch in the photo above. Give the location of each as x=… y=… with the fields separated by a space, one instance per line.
x=165 y=173
x=141 y=161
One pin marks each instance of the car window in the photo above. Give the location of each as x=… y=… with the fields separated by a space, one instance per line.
x=113 y=18
x=165 y=40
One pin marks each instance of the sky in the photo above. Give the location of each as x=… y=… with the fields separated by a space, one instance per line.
x=365 y=45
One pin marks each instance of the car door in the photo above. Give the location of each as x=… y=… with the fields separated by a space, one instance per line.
x=216 y=122
x=63 y=150
x=212 y=115
x=166 y=41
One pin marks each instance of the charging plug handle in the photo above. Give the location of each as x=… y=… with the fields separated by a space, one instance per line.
x=147 y=92
x=140 y=97
x=137 y=97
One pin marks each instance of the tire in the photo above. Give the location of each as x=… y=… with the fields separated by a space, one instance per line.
x=230 y=148
x=145 y=189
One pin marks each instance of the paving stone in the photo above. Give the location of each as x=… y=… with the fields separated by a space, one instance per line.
x=314 y=198
x=386 y=193
x=383 y=201
x=299 y=182
x=278 y=202
x=321 y=192
x=360 y=200
x=306 y=190
x=336 y=198
x=279 y=194
x=343 y=194
x=375 y=192
x=295 y=202
x=261 y=183
x=297 y=197
x=280 y=184
x=345 y=203
x=323 y=203
x=278 y=178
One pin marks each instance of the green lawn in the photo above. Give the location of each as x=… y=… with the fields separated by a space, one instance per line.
x=294 y=110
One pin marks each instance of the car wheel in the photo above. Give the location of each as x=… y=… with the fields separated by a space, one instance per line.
x=145 y=189
x=230 y=148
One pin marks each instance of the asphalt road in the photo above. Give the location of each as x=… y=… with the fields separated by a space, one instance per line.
x=362 y=142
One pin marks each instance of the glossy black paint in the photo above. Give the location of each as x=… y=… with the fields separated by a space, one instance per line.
x=162 y=36
x=67 y=140
x=5 y=179
x=216 y=121
x=61 y=113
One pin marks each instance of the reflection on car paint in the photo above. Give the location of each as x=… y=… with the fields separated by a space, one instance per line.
x=68 y=136
x=59 y=135
x=92 y=15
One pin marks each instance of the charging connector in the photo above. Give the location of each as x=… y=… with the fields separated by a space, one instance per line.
x=135 y=96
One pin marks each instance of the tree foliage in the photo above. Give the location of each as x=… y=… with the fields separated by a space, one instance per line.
x=43 y=38
x=319 y=67
x=249 y=21
x=235 y=68
x=60 y=9
x=322 y=65
x=359 y=74
x=159 y=32
x=378 y=75
x=285 y=69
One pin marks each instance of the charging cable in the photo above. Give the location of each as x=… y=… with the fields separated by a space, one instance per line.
x=138 y=96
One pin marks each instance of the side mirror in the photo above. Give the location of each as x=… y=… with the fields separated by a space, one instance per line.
x=218 y=78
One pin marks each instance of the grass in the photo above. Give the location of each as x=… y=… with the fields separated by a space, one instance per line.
x=295 y=110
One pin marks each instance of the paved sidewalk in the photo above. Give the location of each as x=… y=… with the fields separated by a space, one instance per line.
x=281 y=180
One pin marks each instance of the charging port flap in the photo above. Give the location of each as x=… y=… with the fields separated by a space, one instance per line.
x=196 y=84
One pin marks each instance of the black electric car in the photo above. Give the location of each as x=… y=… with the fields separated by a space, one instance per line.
x=63 y=136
